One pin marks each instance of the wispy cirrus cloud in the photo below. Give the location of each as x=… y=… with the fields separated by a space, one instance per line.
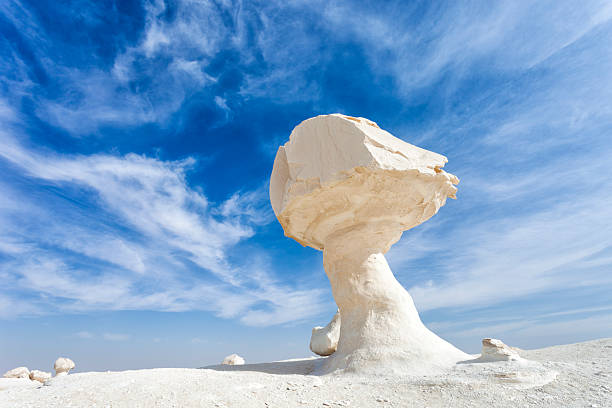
x=84 y=335
x=455 y=39
x=495 y=261
x=184 y=49
x=116 y=336
x=106 y=232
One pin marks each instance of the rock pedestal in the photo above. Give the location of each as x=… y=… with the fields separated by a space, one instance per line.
x=344 y=186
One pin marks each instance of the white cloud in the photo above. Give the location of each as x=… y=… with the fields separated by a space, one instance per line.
x=506 y=36
x=172 y=56
x=154 y=242
x=84 y=335
x=491 y=261
x=116 y=336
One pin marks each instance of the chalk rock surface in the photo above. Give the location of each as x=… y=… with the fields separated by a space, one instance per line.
x=19 y=372
x=496 y=350
x=324 y=340
x=337 y=171
x=233 y=359
x=63 y=365
x=40 y=376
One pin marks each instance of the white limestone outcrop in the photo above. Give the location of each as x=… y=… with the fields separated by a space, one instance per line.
x=324 y=340
x=63 y=365
x=40 y=376
x=496 y=350
x=233 y=359
x=344 y=186
x=19 y=372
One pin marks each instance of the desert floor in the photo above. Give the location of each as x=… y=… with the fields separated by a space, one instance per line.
x=575 y=375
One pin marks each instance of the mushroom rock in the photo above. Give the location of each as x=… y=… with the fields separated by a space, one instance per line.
x=324 y=340
x=19 y=372
x=41 y=376
x=496 y=350
x=63 y=365
x=344 y=186
x=233 y=359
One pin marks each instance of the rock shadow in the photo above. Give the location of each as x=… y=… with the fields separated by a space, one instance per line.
x=478 y=359
x=290 y=367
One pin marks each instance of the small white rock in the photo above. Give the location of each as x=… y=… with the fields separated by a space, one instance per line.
x=19 y=372
x=233 y=359
x=496 y=350
x=324 y=340
x=63 y=365
x=41 y=376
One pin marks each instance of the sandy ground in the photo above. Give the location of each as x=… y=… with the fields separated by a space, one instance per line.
x=575 y=375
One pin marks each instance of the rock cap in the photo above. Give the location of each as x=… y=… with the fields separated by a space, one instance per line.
x=337 y=171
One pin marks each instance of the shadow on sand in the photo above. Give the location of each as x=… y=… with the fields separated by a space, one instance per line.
x=288 y=367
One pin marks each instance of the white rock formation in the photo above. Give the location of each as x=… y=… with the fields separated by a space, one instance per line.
x=41 y=376
x=19 y=372
x=324 y=340
x=346 y=187
x=496 y=350
x=63 y=365
x=233 y=359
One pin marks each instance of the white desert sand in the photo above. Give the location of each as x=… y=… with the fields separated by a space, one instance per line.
x=584 y=379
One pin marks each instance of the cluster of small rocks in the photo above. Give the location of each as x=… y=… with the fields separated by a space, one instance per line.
x=62 y=366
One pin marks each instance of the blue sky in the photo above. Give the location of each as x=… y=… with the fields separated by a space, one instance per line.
x=137 y=139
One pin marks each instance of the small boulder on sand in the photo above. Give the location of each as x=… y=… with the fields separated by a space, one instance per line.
x=19 y=372
x=233 y=359
x=324 y=340
x=63 y=365
x=496 y=350
x=41 y=376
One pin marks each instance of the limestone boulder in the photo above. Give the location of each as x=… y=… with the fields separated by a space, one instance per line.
x=19 y=372
x=324 y=340
x=63 y=365
x=40 y=376
x=233 y=359
x=496 y=350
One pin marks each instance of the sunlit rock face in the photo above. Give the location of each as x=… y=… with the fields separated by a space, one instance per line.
x=497 y=350
x=40 y=376
x=63 y=365
x=19 y=372
x=346 y=187
x=337 y=171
